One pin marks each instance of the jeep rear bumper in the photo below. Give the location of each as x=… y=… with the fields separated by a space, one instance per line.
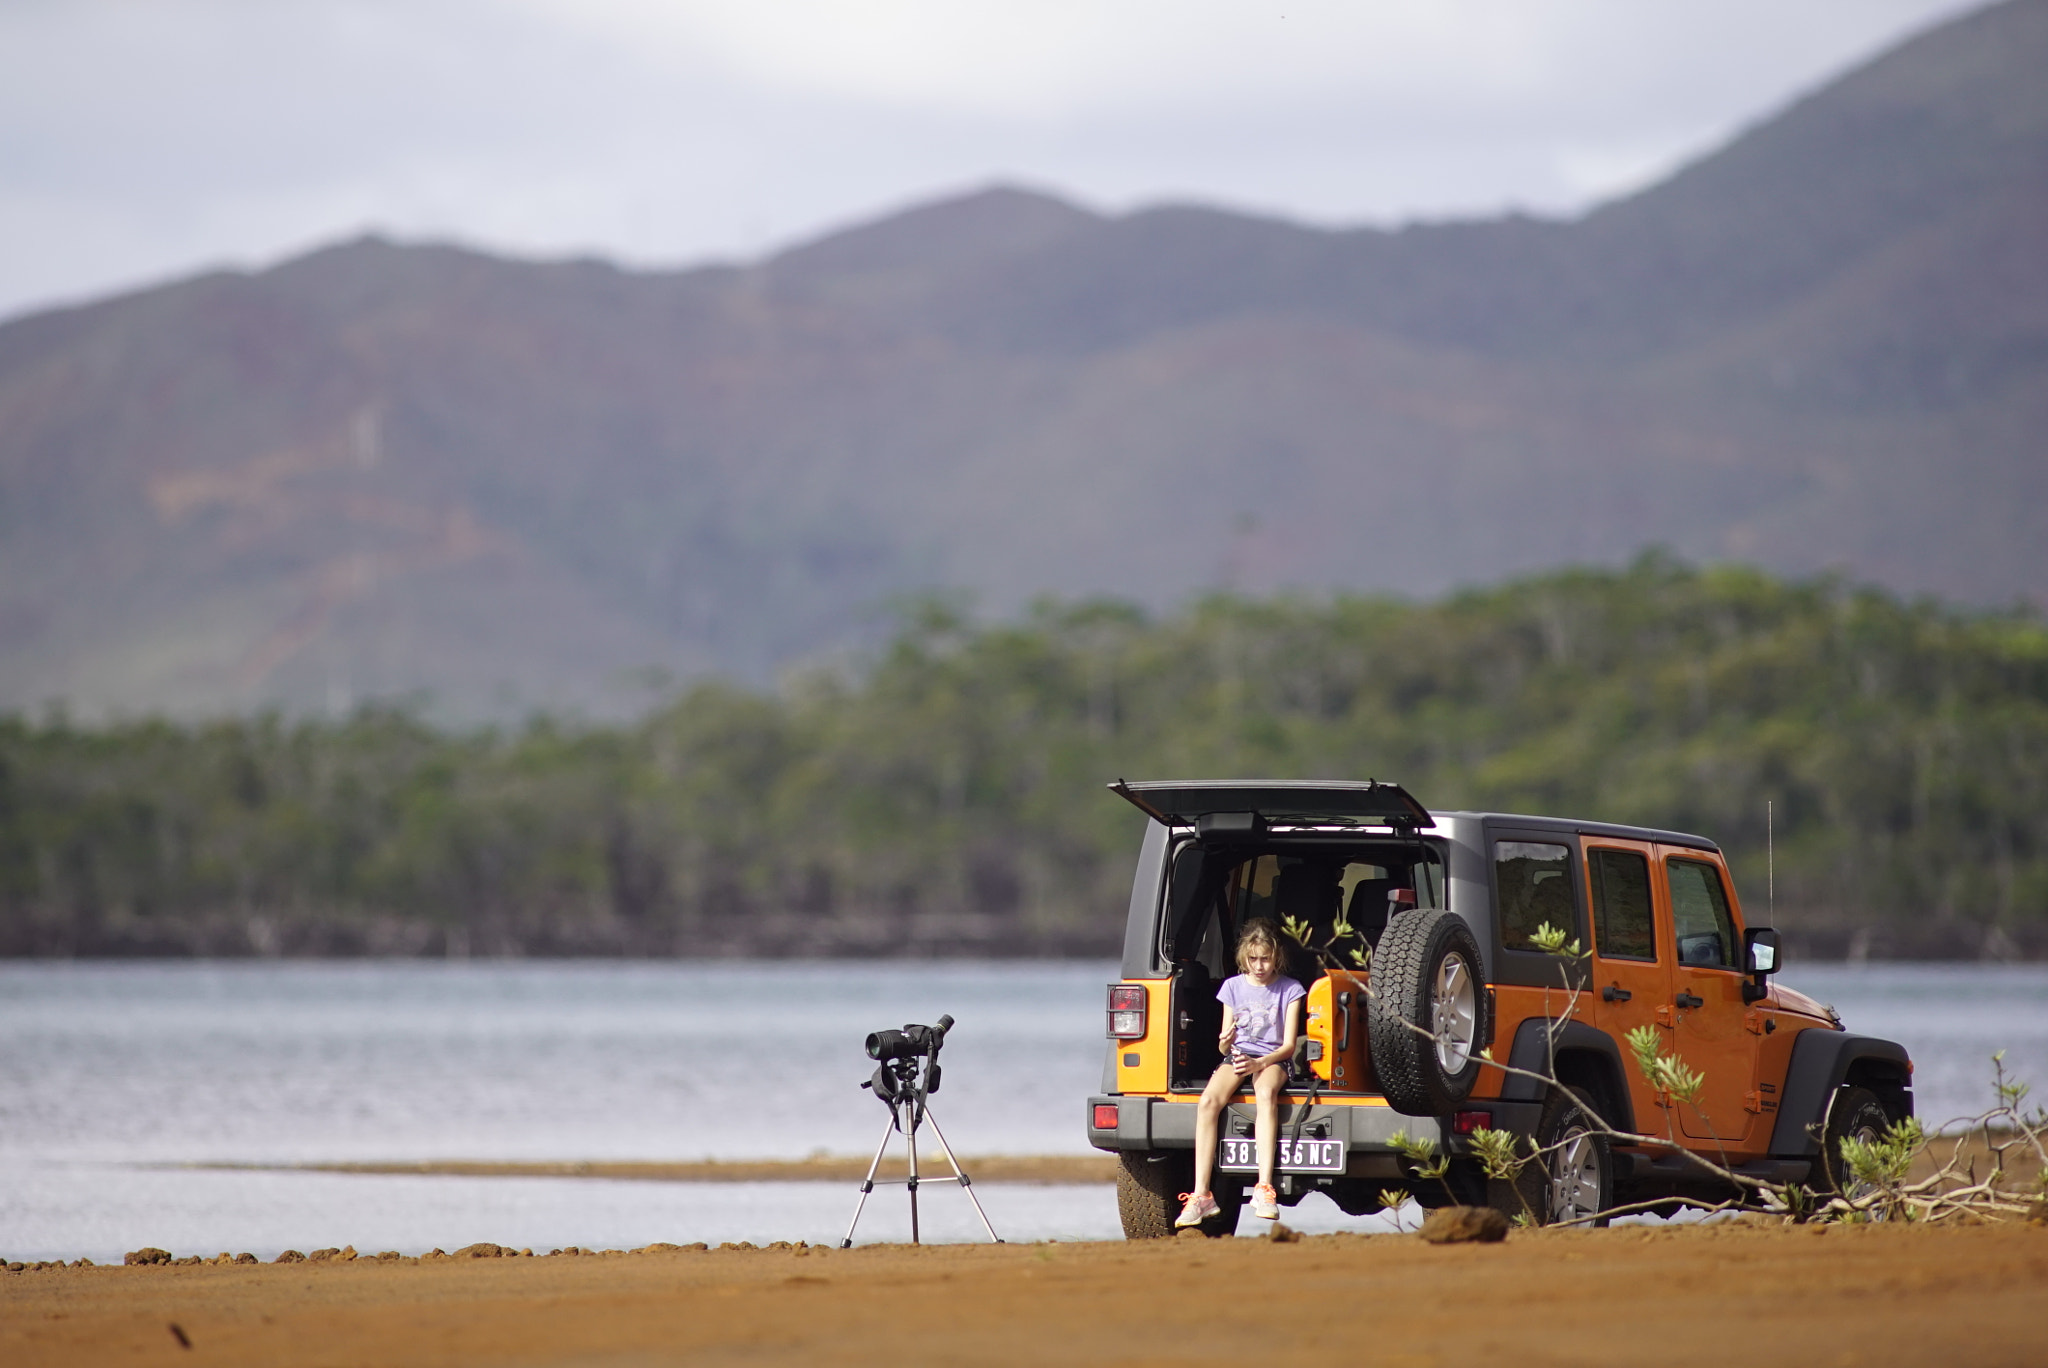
x=1154 y=1123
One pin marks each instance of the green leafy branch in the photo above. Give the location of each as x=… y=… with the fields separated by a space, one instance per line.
x=1666 y=1072
x=1427 y=1162
x=1551 y=941
x=1341 y=930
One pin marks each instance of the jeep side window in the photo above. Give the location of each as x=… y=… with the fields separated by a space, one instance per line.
x=1535 y=884
x=1623 y=927
x=1699 y=915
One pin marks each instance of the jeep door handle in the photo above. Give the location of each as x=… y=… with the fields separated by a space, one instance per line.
x=1688 y=1000
x=1614 y=992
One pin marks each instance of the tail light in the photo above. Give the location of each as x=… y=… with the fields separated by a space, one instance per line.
x=1465 y=1122
x=1126 y=1011
x=1105 y=1116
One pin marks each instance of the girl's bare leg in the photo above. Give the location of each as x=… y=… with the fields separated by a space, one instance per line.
x=1222 y=1084
x=1268 y=1130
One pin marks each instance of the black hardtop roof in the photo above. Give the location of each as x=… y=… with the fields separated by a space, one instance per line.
x=1571 y=825
x=1181 y=801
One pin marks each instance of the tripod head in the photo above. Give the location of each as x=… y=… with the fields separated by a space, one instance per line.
x=908 y=1072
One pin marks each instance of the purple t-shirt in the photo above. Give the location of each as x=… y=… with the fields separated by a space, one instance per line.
x=1260 y=1013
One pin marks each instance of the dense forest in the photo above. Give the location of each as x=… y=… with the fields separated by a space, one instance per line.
x=946 y=795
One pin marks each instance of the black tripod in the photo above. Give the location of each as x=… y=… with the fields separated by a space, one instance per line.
x=904 y=1087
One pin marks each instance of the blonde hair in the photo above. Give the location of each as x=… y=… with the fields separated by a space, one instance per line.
x=1260 y=933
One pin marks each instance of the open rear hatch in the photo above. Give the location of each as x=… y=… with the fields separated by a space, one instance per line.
x=1310 y=853
x=1301 y=802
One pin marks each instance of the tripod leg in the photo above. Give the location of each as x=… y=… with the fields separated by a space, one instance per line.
x=912 y=1135
x=867 y=1184
x=966 y=1183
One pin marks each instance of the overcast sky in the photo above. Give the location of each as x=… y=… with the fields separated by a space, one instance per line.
x=145 y=139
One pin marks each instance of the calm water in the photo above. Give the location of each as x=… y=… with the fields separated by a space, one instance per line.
x=115 y=1077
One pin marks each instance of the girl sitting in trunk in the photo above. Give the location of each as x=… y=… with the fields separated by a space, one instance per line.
x=1261 y=1021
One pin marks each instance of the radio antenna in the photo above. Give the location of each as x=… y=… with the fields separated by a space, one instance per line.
x=1770 y=861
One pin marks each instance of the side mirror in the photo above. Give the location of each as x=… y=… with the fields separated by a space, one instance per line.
x=1760 y=947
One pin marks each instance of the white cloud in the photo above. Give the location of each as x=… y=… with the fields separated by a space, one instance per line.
x=142 y=138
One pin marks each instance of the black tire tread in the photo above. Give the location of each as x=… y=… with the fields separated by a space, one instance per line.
x=1148 y=1196
x=1145 y=1199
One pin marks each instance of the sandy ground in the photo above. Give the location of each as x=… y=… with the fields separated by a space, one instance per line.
x=1734 y=1293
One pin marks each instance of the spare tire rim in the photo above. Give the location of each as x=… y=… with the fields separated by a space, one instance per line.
x=1574 y=1177
x=1453 y=1013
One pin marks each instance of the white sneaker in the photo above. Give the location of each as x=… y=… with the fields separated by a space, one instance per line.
x=1200 y=1207
x=1265 y=1202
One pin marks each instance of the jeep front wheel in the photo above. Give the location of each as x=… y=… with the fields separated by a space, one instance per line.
x=1149 y=1187
x=1426 y=1013
x=1855 y=1115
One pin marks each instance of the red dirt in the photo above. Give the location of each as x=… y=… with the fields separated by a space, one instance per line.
x=1719 y=1294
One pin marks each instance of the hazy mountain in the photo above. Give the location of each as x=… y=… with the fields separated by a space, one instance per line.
x=381 y=469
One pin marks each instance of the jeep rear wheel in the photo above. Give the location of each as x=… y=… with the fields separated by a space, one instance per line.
x=1426 y=1017
x=1148 y=1194
x=1572 y=1179
x=1576 y=1173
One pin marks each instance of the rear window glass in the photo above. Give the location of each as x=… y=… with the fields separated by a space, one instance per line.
x=1534 y=880
x=1622 y=922
x=1699 y=915
x=1315 y=888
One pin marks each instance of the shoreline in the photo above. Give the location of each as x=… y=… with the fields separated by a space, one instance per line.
x=999 y=1168
x=2022 y=1163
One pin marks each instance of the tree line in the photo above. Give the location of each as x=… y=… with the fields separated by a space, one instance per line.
x=945 y=794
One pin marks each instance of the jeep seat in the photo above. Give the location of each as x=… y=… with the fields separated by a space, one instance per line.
x=1367 y=911
x=1308 y=891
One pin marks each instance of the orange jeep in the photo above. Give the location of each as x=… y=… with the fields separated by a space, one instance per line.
x=1453 y=909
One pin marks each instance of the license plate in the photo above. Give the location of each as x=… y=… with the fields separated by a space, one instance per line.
x=1241 y=1155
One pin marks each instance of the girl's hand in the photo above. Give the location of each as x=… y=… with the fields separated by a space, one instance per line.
x=1243 y=1063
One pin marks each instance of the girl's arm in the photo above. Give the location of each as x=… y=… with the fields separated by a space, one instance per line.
x=1229 y=1031
x=1287 y=1040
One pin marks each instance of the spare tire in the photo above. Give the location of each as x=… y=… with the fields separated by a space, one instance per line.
x=1427 y=1014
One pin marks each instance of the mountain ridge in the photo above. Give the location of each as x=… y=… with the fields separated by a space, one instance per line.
x=385 y=470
